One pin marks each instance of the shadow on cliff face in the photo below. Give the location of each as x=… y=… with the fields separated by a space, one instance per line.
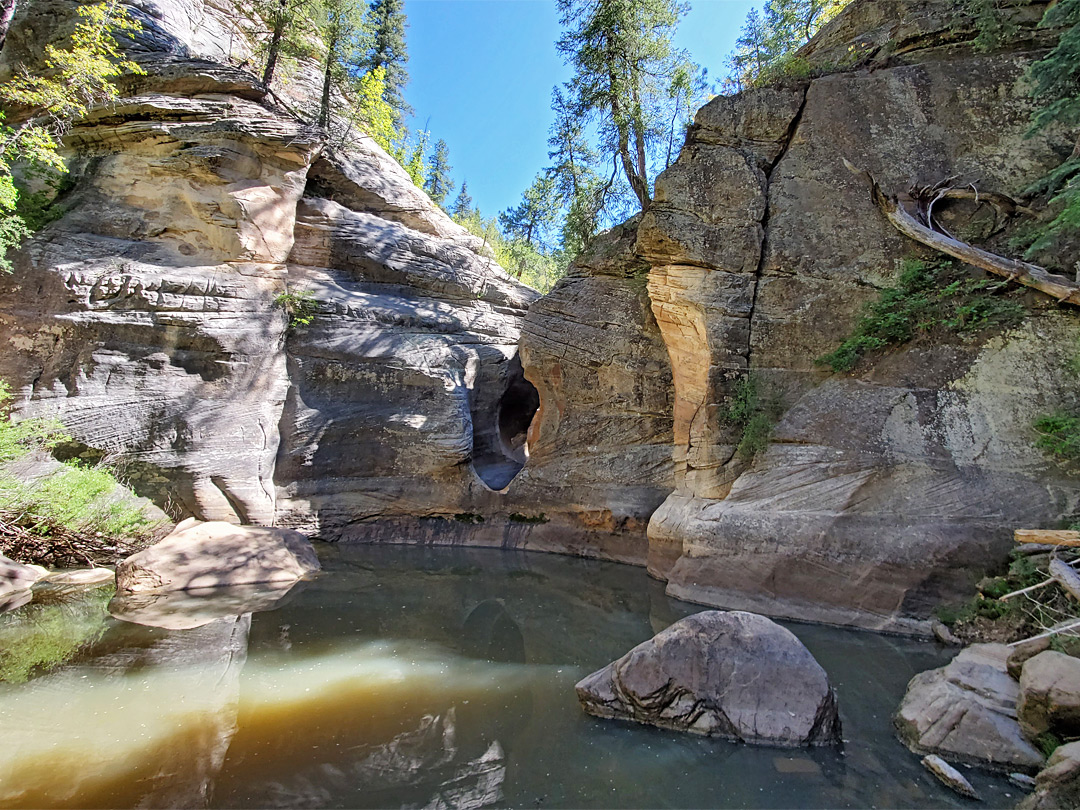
x=499 y=451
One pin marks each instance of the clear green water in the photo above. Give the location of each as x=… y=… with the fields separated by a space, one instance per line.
x=413 y=677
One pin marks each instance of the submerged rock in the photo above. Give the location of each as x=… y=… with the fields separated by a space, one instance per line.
x=966 y=711
x=1050 y=695
x=211 y=554
x=949 y=776
x=16 y=578
x=735 y=675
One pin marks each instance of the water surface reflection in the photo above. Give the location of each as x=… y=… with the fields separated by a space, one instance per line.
x=412 y=677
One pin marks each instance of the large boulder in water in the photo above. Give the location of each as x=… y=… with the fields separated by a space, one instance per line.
x=966 y=712
x=215 y=553
x=736 y=675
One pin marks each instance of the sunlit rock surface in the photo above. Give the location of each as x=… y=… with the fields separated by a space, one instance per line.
x=145 y=316
x=200 y=555
x=720 y=674
x=884 y=491
x=966 y=712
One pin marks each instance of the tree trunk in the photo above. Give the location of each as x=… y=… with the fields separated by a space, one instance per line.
x=7 y=11
x=1063 y=289
x=275 y=48
x=324 y=106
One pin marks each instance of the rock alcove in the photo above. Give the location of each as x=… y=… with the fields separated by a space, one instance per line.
x=499 y=447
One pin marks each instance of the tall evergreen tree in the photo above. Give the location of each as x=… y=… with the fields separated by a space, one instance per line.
x=284 y=21
x=463 y=204
x=1056 y=87
x=341 y=23
x=574 y=172
x=534 y=218
x=623 y=60
x=437 y=182
x=388 y=50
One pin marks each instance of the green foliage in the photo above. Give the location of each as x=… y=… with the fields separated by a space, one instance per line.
x=388 y=51
x=437 y=181
x=628 y=78
x=1056 y=90
x=416 y=162
x=534 y=219
x=752 y=412
x=470 y=518
x=39 y=637
x=993 y=27
x=1059 y=434
x=517 y=517
x=79 y=500
x=463 y=203
x=1047 y=742
x=73 y=79
x=531 y=266
x=299 y=307
x=766 y=50
x=927 y=296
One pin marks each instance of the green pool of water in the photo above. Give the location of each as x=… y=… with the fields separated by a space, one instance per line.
x=416 y=677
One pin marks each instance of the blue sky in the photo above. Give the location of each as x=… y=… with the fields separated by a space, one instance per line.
x=481 y=73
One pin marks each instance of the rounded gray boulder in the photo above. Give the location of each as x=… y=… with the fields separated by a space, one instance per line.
x=721 y=674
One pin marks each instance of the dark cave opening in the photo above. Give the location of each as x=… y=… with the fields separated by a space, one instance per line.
x=499 y=450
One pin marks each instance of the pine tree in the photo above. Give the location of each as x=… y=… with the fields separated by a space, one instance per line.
x=533 y=219
x=574 y=172
x=387 y=22
x=341 y=23
x=623 y=63
x=769 y=40
x=463 y=204
x=437 y=181
x=752 y=55
x=1056 y=81
x=284 y=19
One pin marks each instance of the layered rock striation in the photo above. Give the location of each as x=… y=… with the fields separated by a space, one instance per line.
x=887 y=490
x=148 y=316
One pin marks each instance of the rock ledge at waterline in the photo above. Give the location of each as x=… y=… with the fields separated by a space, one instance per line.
x=735 y=675
x=215 y=553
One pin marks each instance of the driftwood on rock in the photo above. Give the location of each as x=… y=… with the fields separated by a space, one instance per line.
x=1063 y=289
x=1051 y=537
x=1066 y=577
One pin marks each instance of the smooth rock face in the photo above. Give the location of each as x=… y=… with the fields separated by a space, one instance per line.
x=734 y=675
x=1057 y=787
x=1050 y=695
x=966 y=712
x=145 y=317
x=213 y=554
x=885 y=491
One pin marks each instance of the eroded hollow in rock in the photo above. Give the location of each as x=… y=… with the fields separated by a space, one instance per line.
x=499 y=450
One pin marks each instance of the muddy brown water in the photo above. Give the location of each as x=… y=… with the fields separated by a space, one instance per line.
x=438 y=678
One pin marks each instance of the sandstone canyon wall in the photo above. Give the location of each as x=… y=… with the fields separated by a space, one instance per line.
x=886 y=490
x=144 y=318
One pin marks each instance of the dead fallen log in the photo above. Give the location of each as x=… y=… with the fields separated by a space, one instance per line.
x=1035 y=587
x=1066 y=577
x=1061 y=288
x=1070 y=626
x=1050 y=537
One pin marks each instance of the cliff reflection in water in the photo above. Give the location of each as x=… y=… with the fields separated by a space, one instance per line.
x=411 y=677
